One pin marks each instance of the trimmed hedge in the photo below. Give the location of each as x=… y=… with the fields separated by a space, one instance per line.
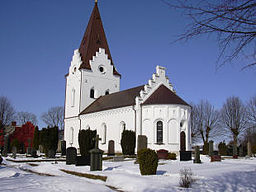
x=128 y=142
x=148 y=161
x=86 y=140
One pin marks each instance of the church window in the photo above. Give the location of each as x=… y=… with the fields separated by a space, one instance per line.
x=104 y=138
x=71 y=136
x=159 y=132
x=107 y=92
x=92 y=93
x=73 y=98
x=102 y=69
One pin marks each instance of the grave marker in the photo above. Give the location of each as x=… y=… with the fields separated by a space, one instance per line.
x=111 y=148
x=197 y=155
x=71 y=155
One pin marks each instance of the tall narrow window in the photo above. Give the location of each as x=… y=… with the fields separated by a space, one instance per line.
x=104 y=139
x=159 y=132
x=71 y=136
x=73 y=98
x=92 y=93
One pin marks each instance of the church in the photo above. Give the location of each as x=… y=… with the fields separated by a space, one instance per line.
x=93 y=99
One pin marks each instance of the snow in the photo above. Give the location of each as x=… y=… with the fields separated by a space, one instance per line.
x=227 y=175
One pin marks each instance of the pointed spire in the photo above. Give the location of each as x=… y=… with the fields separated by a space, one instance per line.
x=94 y=38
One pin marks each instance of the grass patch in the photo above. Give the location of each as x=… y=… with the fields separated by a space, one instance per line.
x=86 y=175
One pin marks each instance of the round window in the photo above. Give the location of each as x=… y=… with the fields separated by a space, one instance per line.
x=101 y=69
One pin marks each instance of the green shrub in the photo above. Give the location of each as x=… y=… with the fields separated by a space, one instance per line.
x=206 y=148
x=36 y=139
x=49 y=139
x=86 y=140
x=222 y=148
x=128 y=142
x=172 y=156
x=148 y=161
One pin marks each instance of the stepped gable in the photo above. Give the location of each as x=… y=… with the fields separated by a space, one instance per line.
x=114 y=100
x=93 y=39
x=163 y=95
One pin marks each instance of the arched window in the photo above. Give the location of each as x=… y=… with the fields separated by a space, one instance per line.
x=71 y=136
x=159 y=132
x=104 y=139
x=107 y=92
x=92 y=93
x=73 y=97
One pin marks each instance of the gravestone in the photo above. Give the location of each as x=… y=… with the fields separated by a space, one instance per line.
x=249 y=149
x=14 y=152
x=63 y=148
x=28 y=151
x=51 y=153
x=241 y=151
x=162 y=154
x=41 y=148
x=197 y=155
x=111 y=148
x=96 y=156
x=83 y=160
x=34 y=153
x=185 y=155
x=210 y=148
x=71 y=155
x=142 y=142
x=59 y=147
x=1 y=159
x=215 y=158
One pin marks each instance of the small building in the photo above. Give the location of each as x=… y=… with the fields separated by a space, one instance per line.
x=93 y=99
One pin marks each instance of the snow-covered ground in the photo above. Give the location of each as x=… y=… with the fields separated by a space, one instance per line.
x=228 y=175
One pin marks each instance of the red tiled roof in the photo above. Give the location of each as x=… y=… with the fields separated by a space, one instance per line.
x=114 y=100
x=94 y=38
x=163 y=95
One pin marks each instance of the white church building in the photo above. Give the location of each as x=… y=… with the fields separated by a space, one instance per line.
x=93 y=99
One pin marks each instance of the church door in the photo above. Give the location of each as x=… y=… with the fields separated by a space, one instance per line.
x=182 y=141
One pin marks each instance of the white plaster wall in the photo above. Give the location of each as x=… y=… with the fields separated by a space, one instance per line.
x=71 y=123
x=98 y=80
x=171 y=116
x=112 y=119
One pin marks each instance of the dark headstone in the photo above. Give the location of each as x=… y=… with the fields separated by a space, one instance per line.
x=83 y=160
x=34 y=153
x=210 y=148
x=71 y=155
x=1 y=159
x=197 y=155
x=96 y=157
x=215 y=158
x=51 y=153
x=142 y=142
x=14 y=152
x=63 y=148
x=29 y=150
x=111 y=148
x=185 y=155
x=162 y=154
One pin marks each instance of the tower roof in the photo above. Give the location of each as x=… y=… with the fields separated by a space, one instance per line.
x=94 y=38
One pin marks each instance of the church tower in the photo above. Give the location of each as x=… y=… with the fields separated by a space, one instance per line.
x=91 y=74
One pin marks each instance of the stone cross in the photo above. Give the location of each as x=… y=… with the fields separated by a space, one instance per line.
x=97 y=139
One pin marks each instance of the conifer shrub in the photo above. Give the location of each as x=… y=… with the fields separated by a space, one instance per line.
x=128 y=142
x=172 y=156
x=15 y=143
x=36 y=139
x=222 y=148
x=86 y=140
x=148 y=161
x=49 y=139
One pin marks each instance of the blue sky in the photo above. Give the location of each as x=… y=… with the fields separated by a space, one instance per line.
x=38 y=37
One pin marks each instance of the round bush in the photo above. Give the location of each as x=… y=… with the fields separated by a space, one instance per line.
x=148 y=161
x=172 y=156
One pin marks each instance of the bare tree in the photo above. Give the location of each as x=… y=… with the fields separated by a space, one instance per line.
x=7 y=113
x=251 y=112
x=232 y=22
x=205 y=122
x=24 y=117
x=54 y=117
x=234 y=118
